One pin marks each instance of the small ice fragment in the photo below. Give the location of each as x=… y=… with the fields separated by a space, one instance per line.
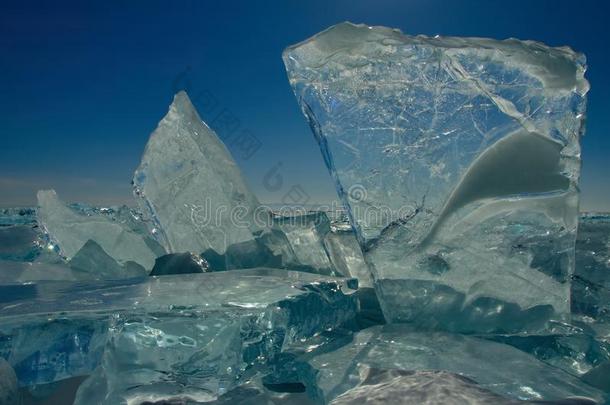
x=71 y=230
x=91 y=262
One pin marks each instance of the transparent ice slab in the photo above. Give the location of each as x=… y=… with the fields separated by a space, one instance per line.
x=591 y=284
x=55 y=330
x=191 y=189
x=293 y=241
x=305 y=234
x=70 y=230
x=574 y=349
x=200 y=351
x=12 y=272
x=346 y=255
x=26 y=253
x=458 y=160
x=495 y=367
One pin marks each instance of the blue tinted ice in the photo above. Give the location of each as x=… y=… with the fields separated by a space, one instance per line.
x=591 y=284
x=189 y=330
x=495 y=367
x=179 y=263
x=458 y=160
x=17 y=216
x=305 y=235
x=18 y=243
x=346 y=254
x=224 y=327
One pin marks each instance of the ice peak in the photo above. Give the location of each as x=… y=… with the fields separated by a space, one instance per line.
x=185 y=177
x=180 y=110
x=182 y=102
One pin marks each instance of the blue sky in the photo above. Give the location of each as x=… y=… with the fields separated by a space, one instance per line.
x=83 y=84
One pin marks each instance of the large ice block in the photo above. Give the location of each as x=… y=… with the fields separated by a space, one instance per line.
x=458 y=160
x=55 y=330
x=70 y=230
x=191 y=188
x=498 y=368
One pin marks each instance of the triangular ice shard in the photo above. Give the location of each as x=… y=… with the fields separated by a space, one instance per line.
x=191 y=187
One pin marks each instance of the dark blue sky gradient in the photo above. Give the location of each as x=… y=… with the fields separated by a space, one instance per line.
x=82 y=85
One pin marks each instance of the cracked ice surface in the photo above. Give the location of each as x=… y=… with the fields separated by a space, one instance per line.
x=241 y=321
x=191 y=187
x=163 y=328
x=458 y=160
